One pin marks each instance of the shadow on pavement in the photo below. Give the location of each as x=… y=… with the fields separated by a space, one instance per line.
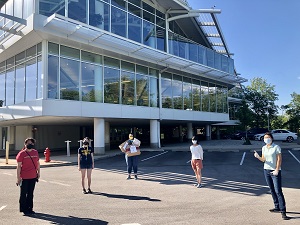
x=129 y=197
x=67 y=220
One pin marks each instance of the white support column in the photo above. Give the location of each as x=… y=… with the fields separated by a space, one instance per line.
x=154 y=134
x=208 y=132
x=99 y=136
x=107 y=136
x=190 y=131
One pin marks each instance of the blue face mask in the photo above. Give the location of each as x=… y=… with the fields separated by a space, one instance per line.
x=268 y=140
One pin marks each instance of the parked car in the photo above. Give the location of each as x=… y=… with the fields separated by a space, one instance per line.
x=250 y=133
x=279 y=135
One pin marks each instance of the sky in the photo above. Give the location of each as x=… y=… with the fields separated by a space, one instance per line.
x=264 y=36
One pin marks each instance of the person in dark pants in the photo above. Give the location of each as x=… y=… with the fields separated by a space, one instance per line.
x=28 y=173
x=131 y=161
x=272 y=159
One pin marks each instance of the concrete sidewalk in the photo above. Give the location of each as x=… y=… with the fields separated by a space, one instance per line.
x=208 y=146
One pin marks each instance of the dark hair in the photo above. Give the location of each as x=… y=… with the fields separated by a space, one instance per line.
x=194 y=138
x=269 y=134
x=29 y=139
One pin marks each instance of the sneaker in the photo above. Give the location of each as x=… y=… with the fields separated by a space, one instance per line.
x=135 y=177
x=129 y=177
x=274 y=210
x=84 y=191
x=199 y=186
x=90 y=191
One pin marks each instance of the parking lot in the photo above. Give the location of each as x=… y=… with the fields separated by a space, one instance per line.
x=234 y=192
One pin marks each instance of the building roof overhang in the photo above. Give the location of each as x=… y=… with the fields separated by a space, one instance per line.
x=74 y=30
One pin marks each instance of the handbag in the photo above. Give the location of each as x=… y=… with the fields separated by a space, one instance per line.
x=37 y=176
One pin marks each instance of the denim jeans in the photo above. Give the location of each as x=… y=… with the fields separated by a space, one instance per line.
x=132 y=163
x=274 y=183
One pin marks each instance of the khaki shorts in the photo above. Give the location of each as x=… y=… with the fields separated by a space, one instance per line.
x=197 y=164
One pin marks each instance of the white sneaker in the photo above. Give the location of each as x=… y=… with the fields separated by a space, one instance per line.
x=198 y=186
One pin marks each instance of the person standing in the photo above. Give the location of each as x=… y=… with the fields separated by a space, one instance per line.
x=86 y=164
x=272 y=159
x=28 y=173
x=196 y=161
x=131 y=161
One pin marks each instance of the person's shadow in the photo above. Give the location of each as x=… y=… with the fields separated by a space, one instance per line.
x=67 y=220
x=129 y=197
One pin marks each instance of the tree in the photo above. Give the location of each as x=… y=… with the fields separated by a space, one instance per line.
x=245 y=116
x=262 y=97
x=293 y=112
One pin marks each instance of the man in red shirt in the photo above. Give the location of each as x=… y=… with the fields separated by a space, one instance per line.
x=28 y=173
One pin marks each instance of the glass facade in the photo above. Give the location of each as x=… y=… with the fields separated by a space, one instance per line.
x=139 y=22
x=21 y=78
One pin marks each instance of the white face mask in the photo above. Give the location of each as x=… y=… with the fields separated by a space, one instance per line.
x=194 y=142
x=268 y=140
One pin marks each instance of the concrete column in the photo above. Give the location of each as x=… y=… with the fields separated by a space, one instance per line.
x=107 y=136
x=208 y=132
x=154 y=134
x=190 y=132
x=99 y=136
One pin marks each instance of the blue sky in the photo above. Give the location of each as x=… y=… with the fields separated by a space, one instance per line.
x=264 y=36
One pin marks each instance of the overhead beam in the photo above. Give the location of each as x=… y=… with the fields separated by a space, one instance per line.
x=13 y=18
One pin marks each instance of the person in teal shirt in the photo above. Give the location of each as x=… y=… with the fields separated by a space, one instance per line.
x=272 y=159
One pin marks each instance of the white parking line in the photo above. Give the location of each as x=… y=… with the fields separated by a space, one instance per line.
x=154 y=156
x=2 y=207
x=294 y=157
x=53 y=182
x=242 y=161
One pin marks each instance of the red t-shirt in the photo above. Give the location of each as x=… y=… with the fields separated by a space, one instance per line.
x=28 y=170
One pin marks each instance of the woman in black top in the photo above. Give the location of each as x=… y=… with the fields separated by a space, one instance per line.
x=86 y=164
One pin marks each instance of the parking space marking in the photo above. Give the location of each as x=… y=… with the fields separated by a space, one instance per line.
x=242 y=160
x=53 y=182
x=154 y=156
x=9 y=174
x=2 y=207
x=294 y=156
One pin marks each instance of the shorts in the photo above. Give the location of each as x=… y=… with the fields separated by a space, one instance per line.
x=197 y=164
x=86 y=166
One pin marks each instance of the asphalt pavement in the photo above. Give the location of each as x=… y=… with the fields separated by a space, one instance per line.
x=59 y=159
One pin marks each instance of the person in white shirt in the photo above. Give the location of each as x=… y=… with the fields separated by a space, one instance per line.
x=196 y=161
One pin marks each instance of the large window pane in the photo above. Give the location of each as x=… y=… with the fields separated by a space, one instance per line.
x=2 y=90
x=111 y=85
x=119 y=3
x=77 y=10
x=69 y=52
x=196 y=96
x=31 y=80
x=142 y=90
x=187 y=94
x=10 y=87
x=134 y=28
x=210 y=58
x=91 y=57
x=149 y=34
x=118 y=21
x=127 y=88
x=48 y=8
x=212 y=98
x=205 y=96
x=153 y=92
x=166 y=93
x=40 y=85
x=20 y=84
x=161 y=37
x=69 y=79
x=99 y=14
x=220 y=98
x=134 y=10
x=53 y=70
x=92 y=83
x=177 y=92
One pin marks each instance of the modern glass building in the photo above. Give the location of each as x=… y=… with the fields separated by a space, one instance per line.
x=104 y=68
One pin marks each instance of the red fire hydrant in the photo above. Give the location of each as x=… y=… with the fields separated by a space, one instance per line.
x=47 y=155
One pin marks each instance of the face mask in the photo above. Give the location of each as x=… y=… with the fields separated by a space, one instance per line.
x=268 y=141
x=29 y=146
x=194 y=142
x=85 y=143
